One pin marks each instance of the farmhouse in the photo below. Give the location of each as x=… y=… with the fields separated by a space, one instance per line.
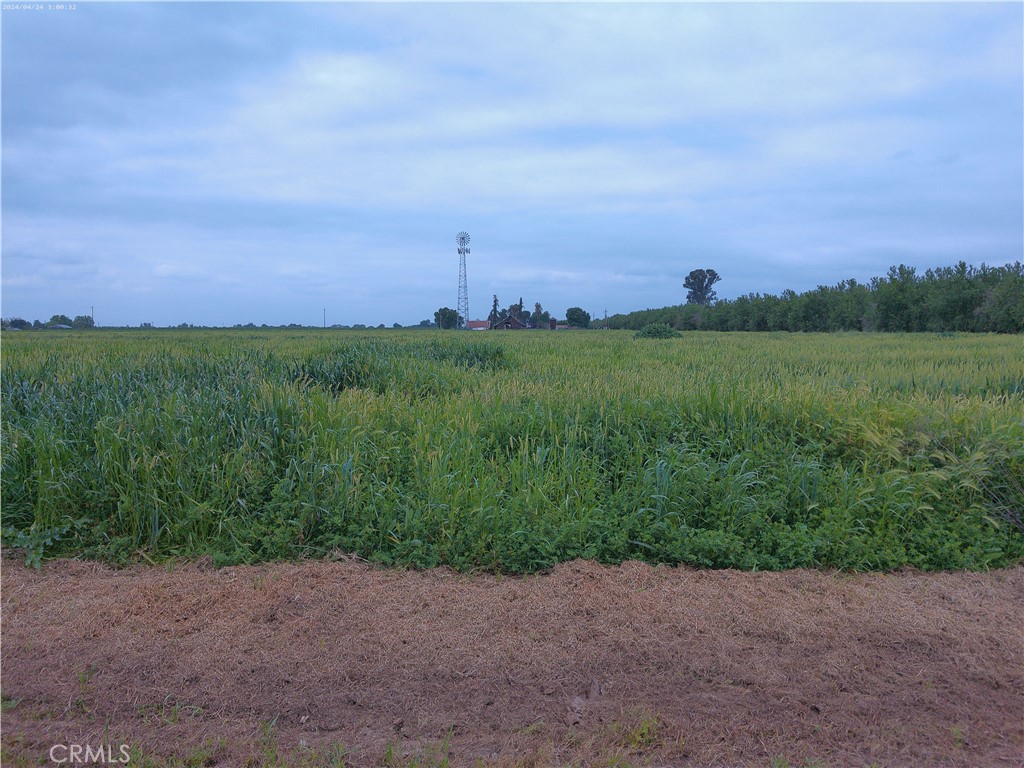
x=477 y=325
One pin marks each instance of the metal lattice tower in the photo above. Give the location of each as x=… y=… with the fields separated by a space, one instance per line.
x=463 y=306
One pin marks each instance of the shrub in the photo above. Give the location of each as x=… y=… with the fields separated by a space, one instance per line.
x=656 y=331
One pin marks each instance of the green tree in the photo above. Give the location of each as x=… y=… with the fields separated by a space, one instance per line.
x=539 y=318
x=577 y=317
x=699 y=283
x=446 y=318
x=82 y=321
x=897 y=299
x=494 y=316
x=516 y=311
x=1002 y=307
x=60 y=320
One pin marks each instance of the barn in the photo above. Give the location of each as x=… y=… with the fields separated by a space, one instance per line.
x=509 y=323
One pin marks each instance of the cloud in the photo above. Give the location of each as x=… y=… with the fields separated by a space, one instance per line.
x=280 y=156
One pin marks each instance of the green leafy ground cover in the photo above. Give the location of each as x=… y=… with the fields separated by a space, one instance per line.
x=516 y=451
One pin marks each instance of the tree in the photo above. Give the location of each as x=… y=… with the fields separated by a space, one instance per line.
x=539 y=318
x=19 y=323
x=699 y=283
x=516 y=311
x=60 y=320
x=577 y=317
x=82 y=321
x=494 y=316
x=447 y=318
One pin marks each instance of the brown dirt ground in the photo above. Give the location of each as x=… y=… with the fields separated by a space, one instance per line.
x=297 y=664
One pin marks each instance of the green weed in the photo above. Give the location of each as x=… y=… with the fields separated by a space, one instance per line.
x=511 y=453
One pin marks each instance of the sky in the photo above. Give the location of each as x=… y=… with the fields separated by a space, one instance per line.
x=224 y=163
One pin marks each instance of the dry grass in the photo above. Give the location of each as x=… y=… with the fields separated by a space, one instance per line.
x=587 y=665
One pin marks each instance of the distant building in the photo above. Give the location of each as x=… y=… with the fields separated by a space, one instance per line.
x=509 y=323
x=477 y=325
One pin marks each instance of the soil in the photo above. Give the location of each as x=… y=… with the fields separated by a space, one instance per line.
x=322 y=663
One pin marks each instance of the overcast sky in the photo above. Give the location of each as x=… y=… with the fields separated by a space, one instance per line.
x=222 y=163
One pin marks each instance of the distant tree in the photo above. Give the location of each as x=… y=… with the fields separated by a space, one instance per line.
x=539 y=318
x=446 y=318
x=516 y=311
x=146 y=325
x=427 y=324
x=1002 y=307
x=577 y=317
x=494 y=316
x=898 y=300
x=19 y=323
x=82 y=321
x=397 y=325
x=60 y=320
x=699 y=284
x=37 y=324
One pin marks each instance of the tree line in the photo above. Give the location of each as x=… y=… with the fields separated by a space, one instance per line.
x=947 y=299
x=448 y=318
x=57 y=321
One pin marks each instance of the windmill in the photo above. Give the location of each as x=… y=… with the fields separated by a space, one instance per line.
x=463 y=304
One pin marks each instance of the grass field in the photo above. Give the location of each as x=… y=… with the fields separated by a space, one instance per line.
x=513 y=452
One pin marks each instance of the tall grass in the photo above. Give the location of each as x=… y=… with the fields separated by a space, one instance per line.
x=517 y=451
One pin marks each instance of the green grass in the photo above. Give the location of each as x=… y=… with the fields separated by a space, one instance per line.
x=513 y=452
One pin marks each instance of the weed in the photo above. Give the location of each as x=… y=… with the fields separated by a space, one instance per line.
x=643 y=734
x=959 y=736
x=739 y=450
x=170 y=711
x=7 y=703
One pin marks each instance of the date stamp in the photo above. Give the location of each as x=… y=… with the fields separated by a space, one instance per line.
x=39 y=7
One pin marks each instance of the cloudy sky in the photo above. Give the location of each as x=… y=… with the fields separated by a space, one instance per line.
x=222 y=163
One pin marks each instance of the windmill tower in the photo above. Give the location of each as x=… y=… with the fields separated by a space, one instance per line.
x=463 y=305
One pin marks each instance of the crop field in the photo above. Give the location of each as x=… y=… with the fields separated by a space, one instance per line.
x=500 y=455
x=514 y=452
